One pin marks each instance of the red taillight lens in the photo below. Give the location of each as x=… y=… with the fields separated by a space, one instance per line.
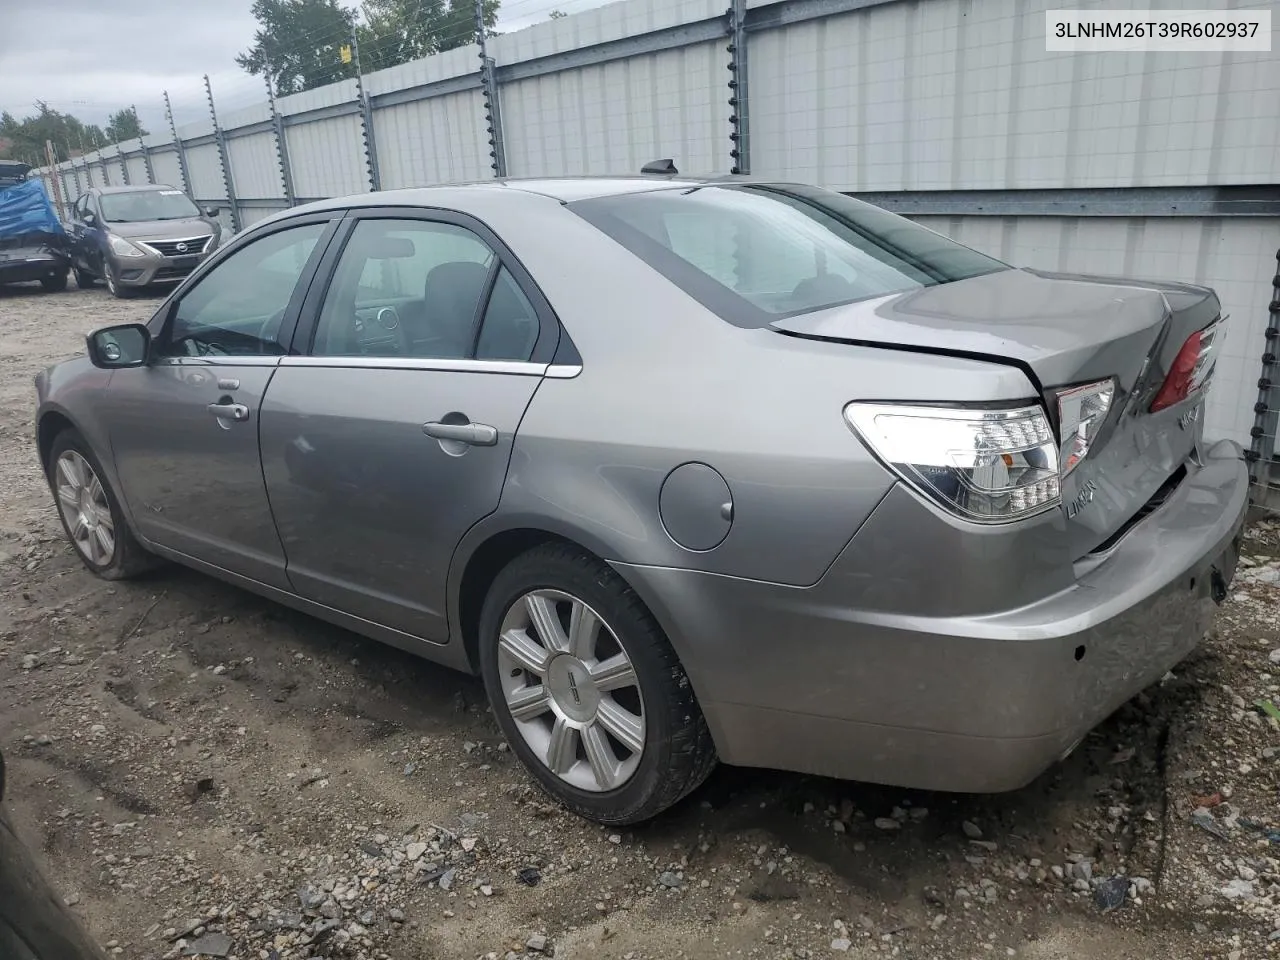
x=1182 y=375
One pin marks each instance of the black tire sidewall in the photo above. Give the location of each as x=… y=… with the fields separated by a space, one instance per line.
x=72 y=440
x=636 y=632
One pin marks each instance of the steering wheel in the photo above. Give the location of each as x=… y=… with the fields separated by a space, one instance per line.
x=204 y=348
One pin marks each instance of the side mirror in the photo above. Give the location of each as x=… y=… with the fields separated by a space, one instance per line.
x=126 y=345
x=211 y=212
x=89 y=218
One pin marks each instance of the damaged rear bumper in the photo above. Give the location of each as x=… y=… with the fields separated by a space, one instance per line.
x=897 y=668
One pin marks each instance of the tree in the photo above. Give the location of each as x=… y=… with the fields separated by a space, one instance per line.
x=25 y=138
x=299 y=43
x=397 y=31
x=556 y=15
x=124 y=125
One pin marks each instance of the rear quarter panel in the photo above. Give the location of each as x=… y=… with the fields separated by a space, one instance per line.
x=665 y=382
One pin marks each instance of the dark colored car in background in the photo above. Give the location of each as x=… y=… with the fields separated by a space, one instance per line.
x=33 y=244
x=136 y=237
x=35 y=923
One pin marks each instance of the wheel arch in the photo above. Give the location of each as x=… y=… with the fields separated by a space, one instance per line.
x=478 y=560
x=492 y=544
x=48 y=427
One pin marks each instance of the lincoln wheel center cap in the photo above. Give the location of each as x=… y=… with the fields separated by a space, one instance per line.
x=572 y=690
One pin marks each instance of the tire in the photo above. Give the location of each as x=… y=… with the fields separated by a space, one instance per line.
x=113 y=288
x=557 y=691
x=105 y=544
x=84 y=279
x=55 y=284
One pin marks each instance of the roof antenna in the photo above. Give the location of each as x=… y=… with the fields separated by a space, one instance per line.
x=664 y=168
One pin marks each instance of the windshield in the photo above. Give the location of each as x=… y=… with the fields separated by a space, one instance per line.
x=753 y=252
x=147 y=205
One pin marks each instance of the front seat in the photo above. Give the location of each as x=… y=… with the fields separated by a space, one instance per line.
x=449 y=304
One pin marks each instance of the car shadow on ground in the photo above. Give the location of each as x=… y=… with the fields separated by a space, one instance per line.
x=388 y=690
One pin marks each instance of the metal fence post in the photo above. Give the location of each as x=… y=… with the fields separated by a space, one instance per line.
x=224 y=158
x=1262 y=446
x=146 y=151
x=282 y=145
x=739 y=101
x=178 y=147
x=102 y=163
x=492 y=105
x=75 y=172
x=124 y=164
x=366 y=120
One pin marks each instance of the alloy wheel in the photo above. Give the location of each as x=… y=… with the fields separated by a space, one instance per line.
x=82 y=500
x=572 y=690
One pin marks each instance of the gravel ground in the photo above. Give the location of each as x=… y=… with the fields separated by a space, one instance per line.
x=205 y=772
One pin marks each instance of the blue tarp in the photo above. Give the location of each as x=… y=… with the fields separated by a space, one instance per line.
x=25 y=208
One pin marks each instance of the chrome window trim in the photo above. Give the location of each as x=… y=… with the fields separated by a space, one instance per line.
x=441 y=364
x=248 y=360
x=563 y=371
x=519 y=368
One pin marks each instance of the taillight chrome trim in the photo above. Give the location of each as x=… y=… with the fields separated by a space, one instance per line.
x=1210 y=337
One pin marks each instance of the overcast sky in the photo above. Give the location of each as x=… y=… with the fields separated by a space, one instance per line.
x=92 y=57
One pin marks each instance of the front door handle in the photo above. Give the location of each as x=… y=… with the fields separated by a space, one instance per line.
x=474 y=434
x=229 y=411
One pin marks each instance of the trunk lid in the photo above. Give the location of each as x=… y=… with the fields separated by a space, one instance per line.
x=1062 y=330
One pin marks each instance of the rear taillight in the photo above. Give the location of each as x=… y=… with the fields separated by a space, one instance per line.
x=1191 y=368
x=991 y=466
x=1081 y=413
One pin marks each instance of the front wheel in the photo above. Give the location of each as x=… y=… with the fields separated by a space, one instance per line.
x=90 y=511
x=588 y=690
x=115 y=289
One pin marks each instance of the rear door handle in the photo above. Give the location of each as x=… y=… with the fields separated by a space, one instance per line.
x=229 y=411
x=475 y=434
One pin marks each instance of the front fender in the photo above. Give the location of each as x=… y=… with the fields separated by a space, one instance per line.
x=71 y=393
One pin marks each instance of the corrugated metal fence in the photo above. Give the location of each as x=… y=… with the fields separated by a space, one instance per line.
x=1154 y=165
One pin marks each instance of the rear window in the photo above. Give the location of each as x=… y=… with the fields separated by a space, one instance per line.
x=753 y=253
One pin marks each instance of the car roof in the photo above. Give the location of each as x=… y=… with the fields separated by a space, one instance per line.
x=562 y=189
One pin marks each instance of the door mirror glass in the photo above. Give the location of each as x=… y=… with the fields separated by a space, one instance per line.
x=211 y=212
x=126 y=345
x=89 y=218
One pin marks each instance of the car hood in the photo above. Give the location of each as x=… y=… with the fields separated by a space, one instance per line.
x=1062 y=328
x=164 y=229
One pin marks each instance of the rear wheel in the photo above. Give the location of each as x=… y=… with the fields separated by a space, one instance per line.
x=55 y=284
x=90 y=511
x=588 y=690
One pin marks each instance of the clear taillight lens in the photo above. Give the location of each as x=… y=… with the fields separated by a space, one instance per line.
x=1081 y=413
x=990 y=466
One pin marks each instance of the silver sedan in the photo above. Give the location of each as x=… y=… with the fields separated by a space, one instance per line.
x=685 y=469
